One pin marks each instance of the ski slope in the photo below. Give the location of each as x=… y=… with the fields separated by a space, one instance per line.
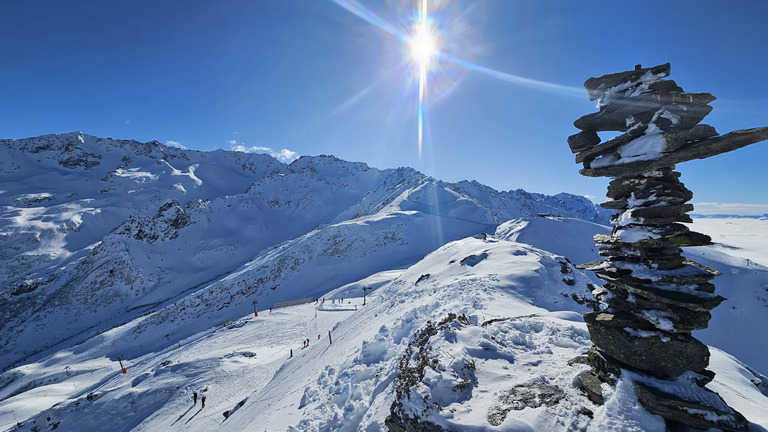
x=528 y=298
x=119 y=249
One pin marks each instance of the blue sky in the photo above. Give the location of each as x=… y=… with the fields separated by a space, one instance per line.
x=312 y=77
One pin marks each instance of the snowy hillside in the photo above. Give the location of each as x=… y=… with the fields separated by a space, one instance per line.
x=744 y=237
x=477 y=335
x=98 y=232
x=158 y=256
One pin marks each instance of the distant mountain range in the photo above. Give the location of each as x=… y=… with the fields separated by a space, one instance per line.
x=97 y=232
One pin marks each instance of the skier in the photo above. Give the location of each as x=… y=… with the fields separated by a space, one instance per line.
x=203 y=401
x=194 y=398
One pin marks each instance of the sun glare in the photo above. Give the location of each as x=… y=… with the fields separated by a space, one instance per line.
x=423 y=46
x=429 y=45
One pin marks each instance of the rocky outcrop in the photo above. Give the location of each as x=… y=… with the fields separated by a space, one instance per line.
x=165 y=225
x=653 y=297
x=695 y=413
x=531 y=395
x=412 y=409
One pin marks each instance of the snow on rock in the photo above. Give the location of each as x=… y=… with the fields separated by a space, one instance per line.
x=623 y=412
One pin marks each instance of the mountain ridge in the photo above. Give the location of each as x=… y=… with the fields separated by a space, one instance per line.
x=505 y=317
x=117 y=228
x=439 y=304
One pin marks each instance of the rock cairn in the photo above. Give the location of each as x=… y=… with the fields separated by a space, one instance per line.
x=653 y=297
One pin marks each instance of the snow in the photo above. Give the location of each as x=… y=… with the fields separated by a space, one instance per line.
x=738 y=317
x=741 y=237
x=647 y=334
x=626 y=218
x=179 y=310
x=633 y=234
x=571 y=238
x=135 y=175
x=737 y=385
x=648 y=146
x=623 y=412
x=639 y=202
x=645 y=147
x=664 y=113
x=660 y=319
x=189 y=173
x=641 y=271
x=379 y=344
x=683 y=386
x=348 y=385
x=629 y=88
x=95 y=238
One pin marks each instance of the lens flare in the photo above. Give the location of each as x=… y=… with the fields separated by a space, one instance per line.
x=423 y=45
x=423 y=48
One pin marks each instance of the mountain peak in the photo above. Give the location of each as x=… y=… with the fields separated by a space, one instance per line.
x=71 y=194
x=327 y=165
x=116 y=249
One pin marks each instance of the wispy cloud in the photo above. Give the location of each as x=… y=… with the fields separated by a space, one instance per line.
x=175 y=144
x=284 y=155
x=127 y=122
x=737 y=209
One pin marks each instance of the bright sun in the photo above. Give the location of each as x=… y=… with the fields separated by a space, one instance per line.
x=423 y=46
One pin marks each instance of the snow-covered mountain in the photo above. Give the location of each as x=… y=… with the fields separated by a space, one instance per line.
x=460 y=305
x=477 y=335
x=97 y=232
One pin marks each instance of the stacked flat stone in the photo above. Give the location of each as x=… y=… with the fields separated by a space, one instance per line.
x=653 y=297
